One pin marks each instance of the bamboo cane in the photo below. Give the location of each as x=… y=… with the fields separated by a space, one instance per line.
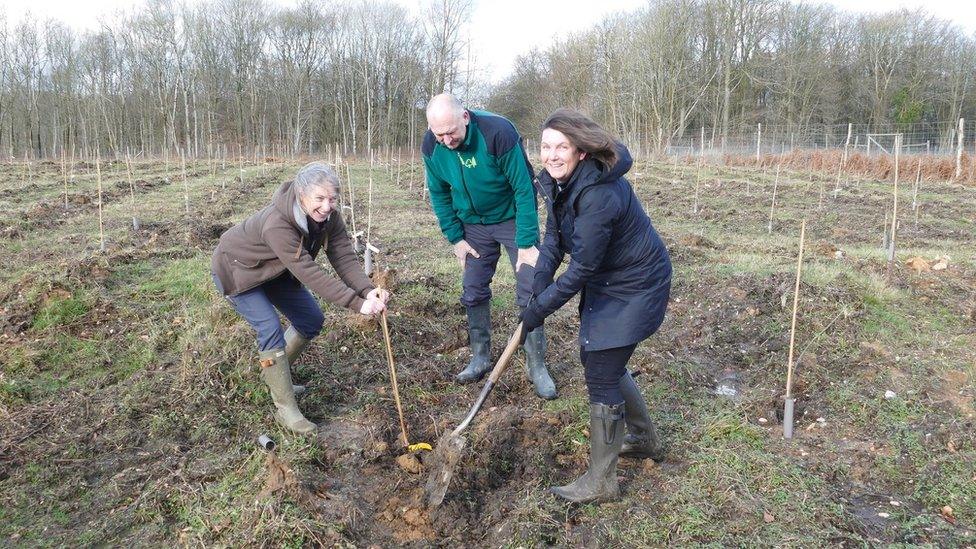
x=894 y=212
x=772 y=205
x=132 y=191
x=393 y=377
x=788 y=405
x=697 y=186
x=101 y=225
x=396 y=387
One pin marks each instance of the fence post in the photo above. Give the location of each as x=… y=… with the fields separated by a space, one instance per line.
x=962 y=126
x=847 y=142
x=758 y=139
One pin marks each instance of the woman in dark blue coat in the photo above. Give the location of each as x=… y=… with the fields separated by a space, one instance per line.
x=621 y=269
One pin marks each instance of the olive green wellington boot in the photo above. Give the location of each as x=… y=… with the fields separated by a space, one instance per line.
x=479 y=334
x=295 y=345
x=599 y=483
x=277 y=375
x=641 y=440
x=535 y=364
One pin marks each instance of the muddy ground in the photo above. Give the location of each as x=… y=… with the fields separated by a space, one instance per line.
x=130 y=400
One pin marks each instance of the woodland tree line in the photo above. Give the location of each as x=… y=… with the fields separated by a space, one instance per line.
x=243 y=75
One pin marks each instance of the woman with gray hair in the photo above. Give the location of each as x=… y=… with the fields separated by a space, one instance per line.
x=263 y=265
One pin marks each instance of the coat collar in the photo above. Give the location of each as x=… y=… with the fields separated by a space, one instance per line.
x=299 y=215
x=285 y=200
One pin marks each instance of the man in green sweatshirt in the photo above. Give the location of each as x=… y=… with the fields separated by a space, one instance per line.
x=481 y=190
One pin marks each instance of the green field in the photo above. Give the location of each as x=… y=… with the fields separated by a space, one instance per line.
x=130 y=399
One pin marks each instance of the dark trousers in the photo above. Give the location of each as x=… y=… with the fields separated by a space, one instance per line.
x=603 y=370
x=259 y=307
x=488 y=240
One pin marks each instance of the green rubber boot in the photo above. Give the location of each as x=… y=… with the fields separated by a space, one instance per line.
x=277 y=375
x=295 y=345
x=535 y=364
x=599 y=483
x=479 y=334
x=641 y=440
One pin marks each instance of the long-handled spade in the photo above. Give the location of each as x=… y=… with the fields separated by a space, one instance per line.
x=449 y=447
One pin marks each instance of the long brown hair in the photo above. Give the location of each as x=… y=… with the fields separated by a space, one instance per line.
x=585 y=134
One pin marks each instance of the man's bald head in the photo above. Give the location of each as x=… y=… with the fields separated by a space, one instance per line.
x=447 y=120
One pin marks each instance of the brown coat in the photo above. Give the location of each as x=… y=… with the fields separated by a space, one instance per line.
x=269 y=242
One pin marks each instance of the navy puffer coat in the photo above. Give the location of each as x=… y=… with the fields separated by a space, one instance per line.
x=617 y=259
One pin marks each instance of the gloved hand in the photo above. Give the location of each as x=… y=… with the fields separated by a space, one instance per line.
x=531 y=317
x=373 y=305
x=379 y=293
x=540 y=282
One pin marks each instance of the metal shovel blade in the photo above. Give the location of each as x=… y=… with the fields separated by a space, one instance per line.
x=443 y=460
x=451 y=444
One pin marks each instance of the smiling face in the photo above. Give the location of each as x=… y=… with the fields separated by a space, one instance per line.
x=319 y=202
x=448 y=127
x=559 y=155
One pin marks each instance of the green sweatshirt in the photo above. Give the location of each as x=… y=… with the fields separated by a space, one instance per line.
x=486 y=180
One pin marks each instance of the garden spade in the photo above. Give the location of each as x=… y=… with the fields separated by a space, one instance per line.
x=450 y=445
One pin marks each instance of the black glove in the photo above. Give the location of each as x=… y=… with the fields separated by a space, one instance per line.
x=531 y=317
x=540 y=282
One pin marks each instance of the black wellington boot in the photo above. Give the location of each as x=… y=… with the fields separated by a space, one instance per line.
x=535 y=364
x=479 y=334
x=641 y=440
x=599 y=483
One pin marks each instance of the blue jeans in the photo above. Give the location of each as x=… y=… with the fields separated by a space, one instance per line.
x=488 y=240
x=260 y=306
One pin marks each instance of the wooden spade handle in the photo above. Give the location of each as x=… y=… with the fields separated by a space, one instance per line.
x=499 y=368
x=502 y=364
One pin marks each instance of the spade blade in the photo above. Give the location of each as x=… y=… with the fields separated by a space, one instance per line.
x=444 y=459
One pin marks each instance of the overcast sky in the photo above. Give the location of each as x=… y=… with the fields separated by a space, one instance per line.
x=500 y=29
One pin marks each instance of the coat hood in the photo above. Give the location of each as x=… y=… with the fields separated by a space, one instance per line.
x=623 y=165
x=285 y=200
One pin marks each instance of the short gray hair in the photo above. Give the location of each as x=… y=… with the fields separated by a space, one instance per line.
x=315 y=174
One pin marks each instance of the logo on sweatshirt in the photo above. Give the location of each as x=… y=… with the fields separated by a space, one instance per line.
x=469 y=163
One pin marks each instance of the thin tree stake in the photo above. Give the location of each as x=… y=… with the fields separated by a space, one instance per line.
x=64 y=174
x=186 y=190
x=796 y=301
x=894 y=212
x=918 y=180
x=369 y=204
x=788 y=401
x=101 y=226
x=240 y=156
x=772 y=206
x=352 y=200
x=697 y=186
x=837 y=184
x=393 y=377
x=132 y=190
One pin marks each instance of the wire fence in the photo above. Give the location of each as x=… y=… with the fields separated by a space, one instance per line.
x=941 y=138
